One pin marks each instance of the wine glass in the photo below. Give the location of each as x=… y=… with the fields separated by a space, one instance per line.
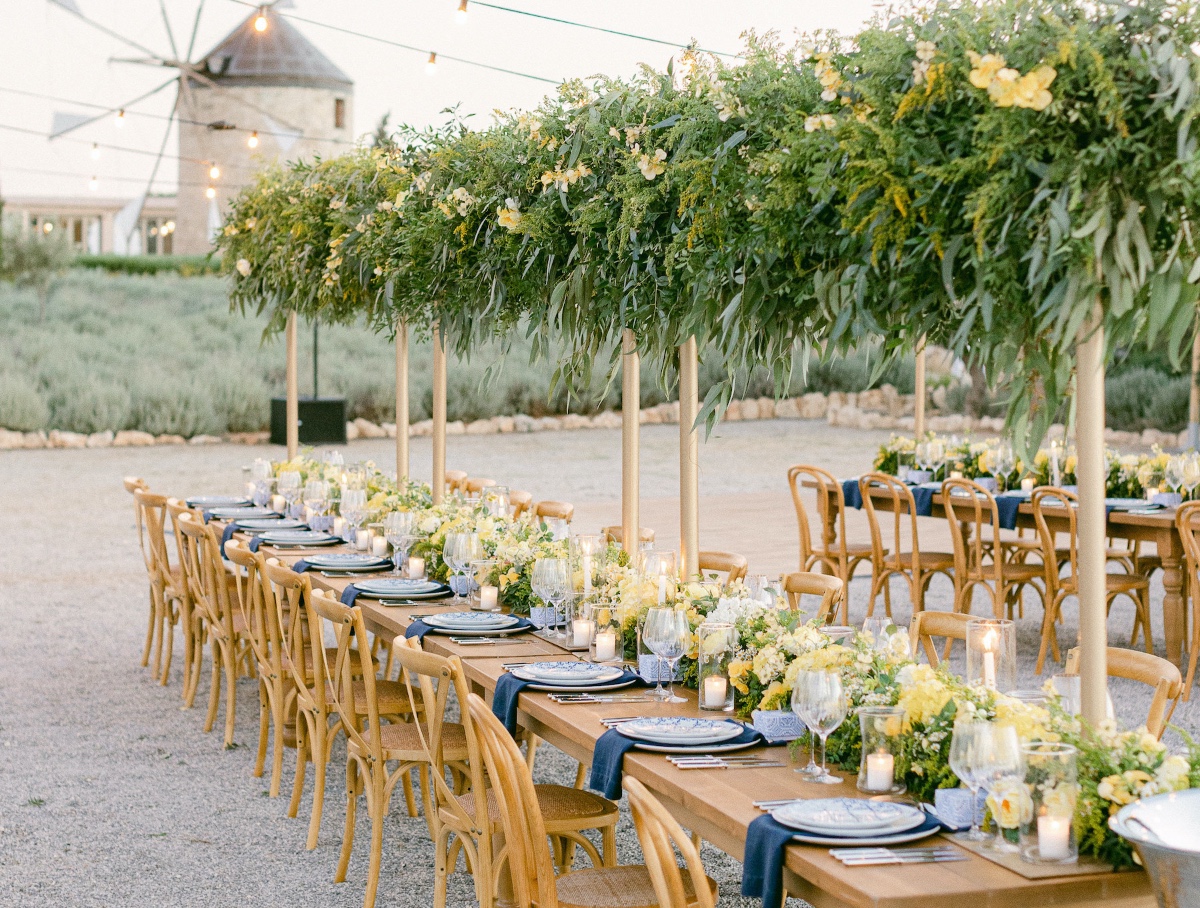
x=316 y=499
x=399 y=528
x=800 y=708
x=876 y=627
x=1191 y=472
x=968 y=747
x=354 y=509
x=1000 y=759
x=1174 y=473
x=453 y=553
x=668 y=636
x=546 y=582
x=1003 y=462
x=288 y=485
x=823 y=703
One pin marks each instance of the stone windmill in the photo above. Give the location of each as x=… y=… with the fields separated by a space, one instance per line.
x=264 y=93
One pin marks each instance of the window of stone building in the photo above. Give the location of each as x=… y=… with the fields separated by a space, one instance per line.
x=339 y=113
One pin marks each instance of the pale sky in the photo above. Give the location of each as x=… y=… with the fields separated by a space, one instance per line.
x=45 y=50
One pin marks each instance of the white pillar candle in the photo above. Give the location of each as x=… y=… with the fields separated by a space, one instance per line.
x=662 y=587
x=606 y=646
x=581 y=629
x=362 y=539
x=880 y=772
x=1027 y=484
x=715 y=689
x=250 y=487
x=416 y=567
x=587 y=573
x=488 y=596
x=989 y=660
x=278 y=503
x=339 y=526
x=1054 y=838
x=379 y=546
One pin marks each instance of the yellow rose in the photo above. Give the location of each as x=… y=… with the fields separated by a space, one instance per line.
x=1060 y=801
x=1010 y=803
x=984 y=68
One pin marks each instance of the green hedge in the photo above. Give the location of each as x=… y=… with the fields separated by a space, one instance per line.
x=186 y=265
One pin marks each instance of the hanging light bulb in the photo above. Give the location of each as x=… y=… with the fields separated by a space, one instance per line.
x=253 y=140
x=120 y=117
x=260 y=21
x=431 y=64
x=210 y=193
x=93 y=184
x=95 y=152
x=214 y=172
x=460 y=17
x=47 y=227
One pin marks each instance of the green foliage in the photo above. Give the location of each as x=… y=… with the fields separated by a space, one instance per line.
x=185 y=265
x=22 y=406
x=1142 y=398
x=33 y=259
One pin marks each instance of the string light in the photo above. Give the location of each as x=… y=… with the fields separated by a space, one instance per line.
x=214 y=172
x=120 y=118
x=95 y=152
x=47 y=227
x=253 y=140
x=431 y=64
x=210 y=193
x=93 y=184
x=460 y=17
x=260 y=21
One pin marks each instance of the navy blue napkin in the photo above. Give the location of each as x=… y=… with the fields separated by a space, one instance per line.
x=508 y=691
x=608 y=759
x=1006 y=508
x=762 y=864
x=301 y=566
x=230 y=529
x=419 y=628
x=923 y=499
x=852 y=493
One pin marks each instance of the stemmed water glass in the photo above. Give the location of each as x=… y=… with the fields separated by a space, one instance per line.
x=1191 y=472
x=820 y=700
x=1003 y=462
x=354 y=509
x=288 y=485
x=316 y=499
x=800 y=708
x=400 y=530
x=550 y=582
x=263 y=479
x=969 y=749
x=1174 y=473
x=453 y=552
x=876 y=627
x=667 y=635
x=1001 y=759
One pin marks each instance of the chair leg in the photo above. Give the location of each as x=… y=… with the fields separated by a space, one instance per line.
x=377 y=809
x=149 y=632
x=214 y=692
x=608 y=845
x=887 y=595
x=169 y=643
x=277 y=719
x=230 y=693
x=320 y=754
x=441 y=871
x=351 y=814
x=302 y=748
x=264 y=722
x=410 y=801
x=1049 y=634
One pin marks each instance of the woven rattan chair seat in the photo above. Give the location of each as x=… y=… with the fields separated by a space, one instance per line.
x=615 y=887
x=560 y=806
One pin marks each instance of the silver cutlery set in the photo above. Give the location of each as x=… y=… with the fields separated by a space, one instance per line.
x=877 y=857
x=713 y=761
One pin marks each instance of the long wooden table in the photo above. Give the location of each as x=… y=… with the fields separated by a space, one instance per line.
x=1157 y=528
x=718 y=804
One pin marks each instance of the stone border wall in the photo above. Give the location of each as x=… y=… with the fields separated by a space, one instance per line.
x=879 y=408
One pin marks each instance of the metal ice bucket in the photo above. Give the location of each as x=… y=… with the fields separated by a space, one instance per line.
x=1165 y=830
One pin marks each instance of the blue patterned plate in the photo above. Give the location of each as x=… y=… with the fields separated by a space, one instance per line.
x=568 y=673
x=218 y=501
x=270 y=524
x=681 y=730
x=849 y=816
x=298 y=538
x=471 y=621
x=347 y=561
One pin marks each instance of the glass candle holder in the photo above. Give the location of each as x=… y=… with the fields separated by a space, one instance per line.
x=882 y=747
x=606 y=643
x=485 y=595
x=587 y=562
x=715 y=642
x=1048 y=825
x=659 y=569
x=992 y=653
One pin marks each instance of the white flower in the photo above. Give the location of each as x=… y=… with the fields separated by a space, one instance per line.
x=926 y=50
x=243 y=267
x=652 y=166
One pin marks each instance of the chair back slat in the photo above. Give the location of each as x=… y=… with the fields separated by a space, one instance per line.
x=1059 y=503
x=902 y=514
x=348 y=626
x=829 y=495
x=807 y=583
x=152 y=514
x=660 y=835
x=206 y=575
x=257 y=606
x=1159 y=673
x=971 y=509
x=733 y=565
x=532 y=870
x=298 y=636
x=926 y=625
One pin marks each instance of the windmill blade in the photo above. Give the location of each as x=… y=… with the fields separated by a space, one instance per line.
x=195 y=30
x=136 y=211
x=71 y=7
x=162 y=8
x=67 y=122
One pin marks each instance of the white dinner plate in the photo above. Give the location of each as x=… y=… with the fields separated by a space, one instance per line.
x=348 y=561
x=899 y=838
x=480 y=632
x=267 y=524
x=298 y=537
x=849 y=816
x=681 y=731
x=582 y=688
x=471 y=621
x=242 y=513
x=218 y=501
x=569 y=671
x=694 y=748
x=608 y=676
x=398 y=586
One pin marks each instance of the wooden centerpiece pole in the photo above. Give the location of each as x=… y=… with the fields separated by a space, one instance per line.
x=631 y=416
x=401 y=400
x=439 y=415
x=919 y=391
x=689 y=460
x=1090 y=474
x=293 y=389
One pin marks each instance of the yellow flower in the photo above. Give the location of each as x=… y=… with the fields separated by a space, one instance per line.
x=1003 y=87
x=738 y=669
x=509 y=217
x=243 y=267
x=1060 y=801
x=652 y=166
x=984 y=69
x=1010 y=803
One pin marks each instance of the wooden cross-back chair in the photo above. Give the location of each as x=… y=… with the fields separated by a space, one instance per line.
x=731 y=564
x=363 y=702
x=1161 y=674
x=563 y=510
x=276 y=693
x=917 y=567
x=474 y=485
x=926 y=625
x=461 y=823
x=520 y=501
x=617 y=534
x=166 y=584
x=228 y=632
x=531 y=868
x=191 y=615
x=133 y=484
x=833 y=553
x=1063 y=504
x=455 y=480
x=806 y=583
x=980 y=557
x=660 y=834
x=1187 y=522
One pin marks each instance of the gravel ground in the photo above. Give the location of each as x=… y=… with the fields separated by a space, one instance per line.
x=111 y=795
